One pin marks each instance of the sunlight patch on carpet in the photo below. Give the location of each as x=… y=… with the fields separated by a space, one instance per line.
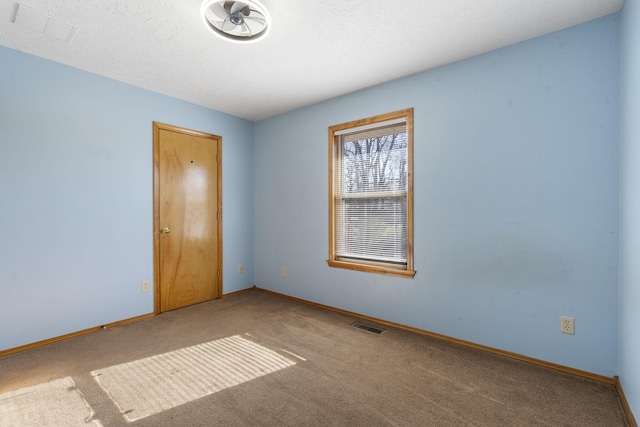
x=55 y=403
x=149 y=386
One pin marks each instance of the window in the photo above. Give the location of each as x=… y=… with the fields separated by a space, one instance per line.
x=371 y=194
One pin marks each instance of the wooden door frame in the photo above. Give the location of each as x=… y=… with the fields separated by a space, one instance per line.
x=157 y=126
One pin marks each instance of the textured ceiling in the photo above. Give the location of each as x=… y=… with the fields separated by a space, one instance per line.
x=317 y=49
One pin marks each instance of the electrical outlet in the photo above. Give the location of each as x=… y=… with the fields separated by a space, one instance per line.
x=241 y=269
x=567 y=325
x=283 y=272
x=145 y=286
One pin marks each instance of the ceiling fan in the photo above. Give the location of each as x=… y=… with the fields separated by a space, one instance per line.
x=237 y=21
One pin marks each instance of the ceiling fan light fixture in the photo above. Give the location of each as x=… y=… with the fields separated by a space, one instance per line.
x=245 y=21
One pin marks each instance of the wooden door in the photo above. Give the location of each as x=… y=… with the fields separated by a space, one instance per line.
x=187 y=207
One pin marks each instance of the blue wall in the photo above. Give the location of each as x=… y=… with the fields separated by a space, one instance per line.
x=630 y=205
x=76 y=153
x=516 y=200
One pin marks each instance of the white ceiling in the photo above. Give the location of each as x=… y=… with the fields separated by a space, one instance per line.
x=317 y=49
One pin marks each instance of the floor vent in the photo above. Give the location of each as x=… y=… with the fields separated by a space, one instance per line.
x=369 y=328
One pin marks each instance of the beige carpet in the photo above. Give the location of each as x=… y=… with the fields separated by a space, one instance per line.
x=54 y=403
x=343 y=376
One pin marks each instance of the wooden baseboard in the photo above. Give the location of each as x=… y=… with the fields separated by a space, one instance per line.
x=625 y=404
x=242 y=291
x=503 y=353
x=73 y=335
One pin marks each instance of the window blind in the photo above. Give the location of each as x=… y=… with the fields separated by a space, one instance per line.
x=371 y=193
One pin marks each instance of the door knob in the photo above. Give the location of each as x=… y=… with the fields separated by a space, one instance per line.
x=165 y=230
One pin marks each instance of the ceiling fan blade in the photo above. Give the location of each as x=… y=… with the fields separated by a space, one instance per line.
x=238 y=7
x=228 y=5
x=255 y=24
x=231 y=28
x=245 y=30
x=217 y=13
x=228 y=27
x=256 y=17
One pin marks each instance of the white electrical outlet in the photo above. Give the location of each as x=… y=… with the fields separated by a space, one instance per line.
x=567 y=325
x=241 y=269
x=145 y=286
x=283 y=272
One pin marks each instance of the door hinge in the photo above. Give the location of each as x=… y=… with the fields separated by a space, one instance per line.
x=219 y=215
x=218 y=272
x=217 y=157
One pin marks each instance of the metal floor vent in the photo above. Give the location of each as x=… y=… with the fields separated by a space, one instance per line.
x=369 y=328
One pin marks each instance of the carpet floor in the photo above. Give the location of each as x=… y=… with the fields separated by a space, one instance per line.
x=329 y=374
